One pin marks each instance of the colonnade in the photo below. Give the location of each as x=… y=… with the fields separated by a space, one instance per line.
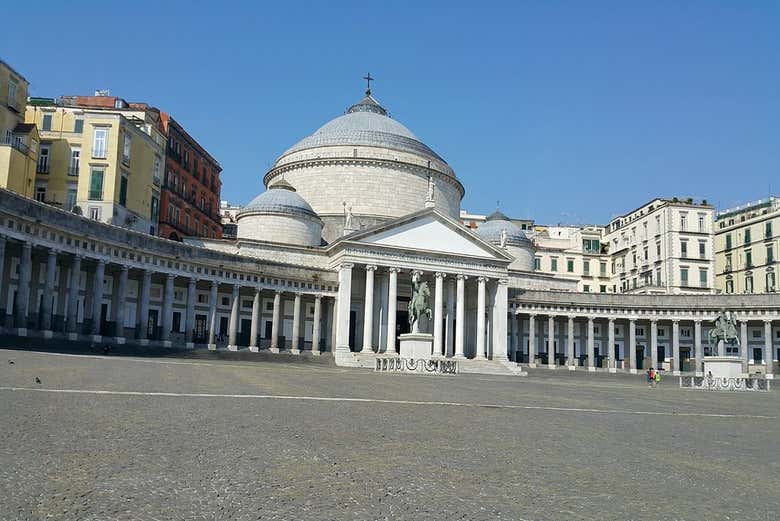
x=449 y=320
x=565 y=355
x=24 y=316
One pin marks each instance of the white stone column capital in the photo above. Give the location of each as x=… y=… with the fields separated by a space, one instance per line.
x=346 y=266
x=440 y=275
x=460 y=276
x=192 y=281
x=393 y=270
x=767 y=321
x=371 y=267
x=482 y=279
x=122 y=267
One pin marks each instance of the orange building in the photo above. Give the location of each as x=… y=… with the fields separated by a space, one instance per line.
x=189 y=202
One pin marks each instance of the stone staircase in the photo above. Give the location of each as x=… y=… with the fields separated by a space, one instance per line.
x=494 y=367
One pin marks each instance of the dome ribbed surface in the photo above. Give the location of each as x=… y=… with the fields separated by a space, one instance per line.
x=365 y=123
x=280 y=199
x=490 y=230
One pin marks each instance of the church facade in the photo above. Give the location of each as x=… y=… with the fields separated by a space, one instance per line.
x=322 y=264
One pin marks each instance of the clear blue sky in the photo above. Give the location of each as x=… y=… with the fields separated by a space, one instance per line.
x=564 y=111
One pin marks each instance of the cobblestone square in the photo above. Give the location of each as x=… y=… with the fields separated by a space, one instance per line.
x=121 y=438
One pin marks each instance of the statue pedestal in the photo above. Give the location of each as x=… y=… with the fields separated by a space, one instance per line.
x=416 y=346
x=723 y=366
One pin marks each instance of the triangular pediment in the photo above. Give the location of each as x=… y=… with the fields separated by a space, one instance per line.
x=428 y=231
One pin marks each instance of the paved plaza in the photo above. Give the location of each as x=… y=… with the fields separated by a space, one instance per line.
x=119 y=437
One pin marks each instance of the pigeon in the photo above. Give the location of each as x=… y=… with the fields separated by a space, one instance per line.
x=11 y=362
x=37 y=380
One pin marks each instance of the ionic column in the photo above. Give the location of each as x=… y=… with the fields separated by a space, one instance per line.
x=233 y=324
x=551 y=342
x=48 y=293
x=344 y=303
x=255 y=329
x=461 y=316
x=276 y=319
x=189 y=319
x=23 y=289
x=654 y=343
x=97 y=295
x=519 y=353
x=73 y=296
x=512 y=335
x=743 y=344
x=121 y=303
x=295 y=347
x=213 y=296
x=676 y=347
x=697 y=346
x=315 y=327
x=531 y=340
x=167 y=310
x=591 y=346
x=449 y=336
x=2 y=267
x=570 y=344
x=480 y=352
x=368 y=312
x=632 y=345
x=392 y=306
x=438 y=319
x=611 y=365
x=143 y=307
x=769 y=356
x=500 y=303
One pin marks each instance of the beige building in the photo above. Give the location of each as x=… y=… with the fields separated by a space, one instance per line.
x=746 y=242
x=107 y=162
x=18 y=141
x=576 y=253
x=664 y=246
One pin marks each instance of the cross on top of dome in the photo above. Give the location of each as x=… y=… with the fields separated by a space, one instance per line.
x=368 y=104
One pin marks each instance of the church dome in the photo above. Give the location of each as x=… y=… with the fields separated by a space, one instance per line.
x=280 y=215
x=365 y=124
x=280 y=198
x=490 y=230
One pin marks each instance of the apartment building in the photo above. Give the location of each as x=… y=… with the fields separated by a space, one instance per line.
x=574 y=252
x=192 y=187
x=100 y=157
x=18 y=140
x=664 y=246
x=746 y=241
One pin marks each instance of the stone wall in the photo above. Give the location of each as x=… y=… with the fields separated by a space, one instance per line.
x=279 y=228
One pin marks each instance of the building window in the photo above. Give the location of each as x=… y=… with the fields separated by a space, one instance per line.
x=570 y=265
x=728 y=241
x=70 y=197
x=78 y=126
x=683 y=222
x=94 y=213
x=703 y=278
x=683 y=277
x=156 y=172
x=748 y=259
x=43 y=159
x=123 y=190
x=729 y=286
x=586 y=288
x=768 y=230
x=702 y=250
x=40 y=193
x=537 y=263
x=100 y=143
x=770 y=281
x=770 y=254
x=46 y=122
x=12 y=93
x=155 y=208
x=603 y=288
x=647 y=256
x=658 y=277
x=126 y=149
x=96 y=185
x=586 y=267
x=701 y=223
x=684 y=249
x=747 y=236
x=748 y=283
x=553 y=264
x=75 y=159
x=603 y=268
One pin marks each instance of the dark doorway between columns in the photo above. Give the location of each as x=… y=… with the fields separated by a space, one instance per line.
x=199 y=335
x=352 y=325
x=640 y=357
x=246 y=328
x=151 y=331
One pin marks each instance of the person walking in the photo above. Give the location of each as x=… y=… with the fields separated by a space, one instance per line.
x=657 y=378
x=650 y=377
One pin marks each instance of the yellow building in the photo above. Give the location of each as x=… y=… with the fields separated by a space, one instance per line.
x=106 y=164
x=18 y=141
x=746 y=243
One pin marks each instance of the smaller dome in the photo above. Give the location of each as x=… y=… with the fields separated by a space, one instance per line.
x=490 y=230
x=280 y=198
